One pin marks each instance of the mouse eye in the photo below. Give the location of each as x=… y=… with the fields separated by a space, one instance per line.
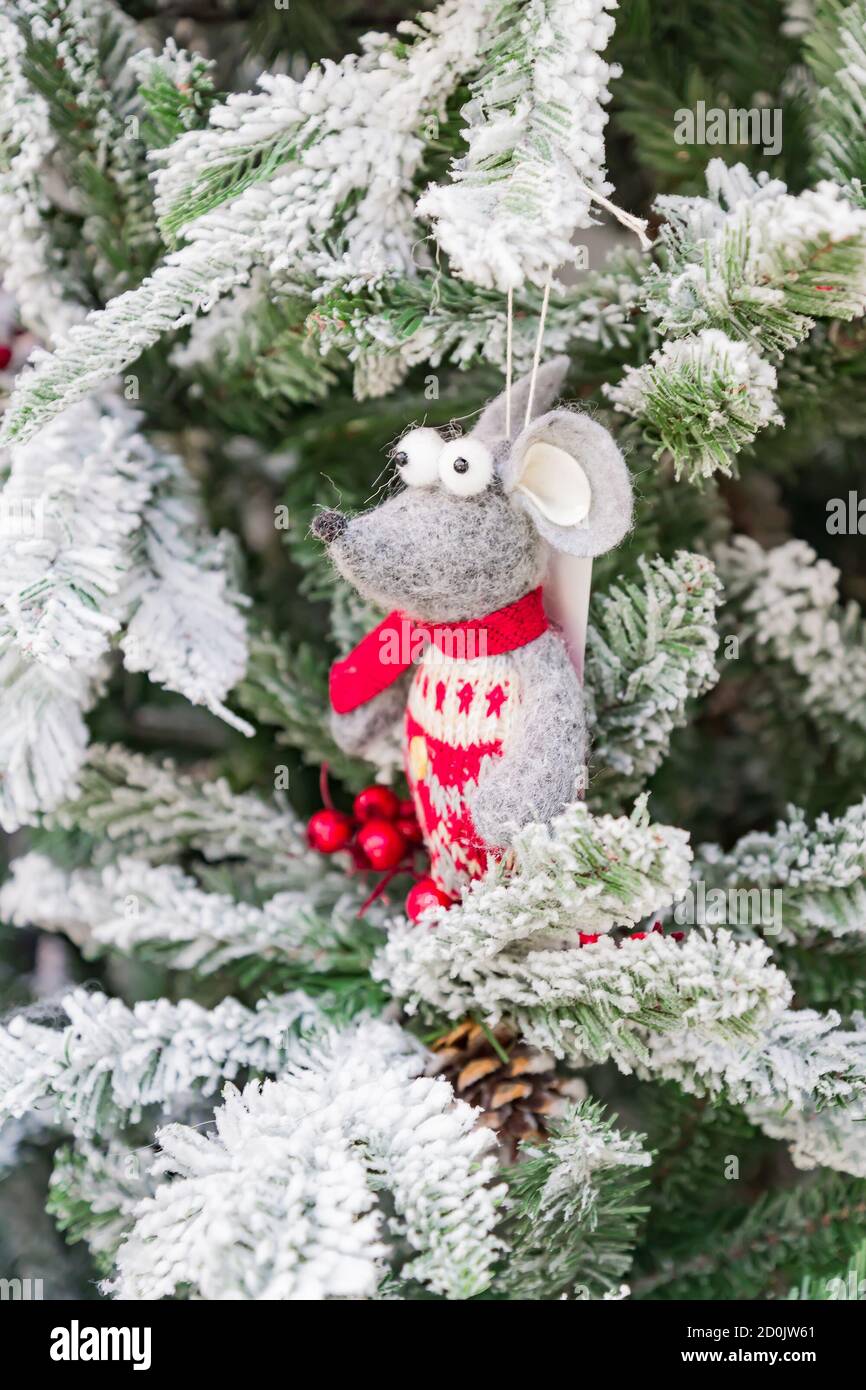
x=465 y=467
x=417 y=457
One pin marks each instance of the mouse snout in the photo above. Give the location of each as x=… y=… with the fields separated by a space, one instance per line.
x=327 y=526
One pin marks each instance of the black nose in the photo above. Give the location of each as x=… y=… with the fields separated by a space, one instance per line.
x=327 y=526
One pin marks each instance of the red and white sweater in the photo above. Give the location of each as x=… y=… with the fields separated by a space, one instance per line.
x=463 y=705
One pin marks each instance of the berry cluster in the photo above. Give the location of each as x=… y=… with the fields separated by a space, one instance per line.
x=381 y=833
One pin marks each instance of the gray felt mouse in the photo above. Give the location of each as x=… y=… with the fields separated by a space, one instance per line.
x=494 y=727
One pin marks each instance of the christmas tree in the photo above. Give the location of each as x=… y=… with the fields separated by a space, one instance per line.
x=246 y=248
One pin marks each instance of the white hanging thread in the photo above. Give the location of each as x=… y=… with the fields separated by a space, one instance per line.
x=635 y=224
x=509 y=336
x=538 y=342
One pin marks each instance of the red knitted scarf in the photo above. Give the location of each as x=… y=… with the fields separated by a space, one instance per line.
x=398 y=642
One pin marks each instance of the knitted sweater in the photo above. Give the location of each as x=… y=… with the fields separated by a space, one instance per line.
x=459 y=717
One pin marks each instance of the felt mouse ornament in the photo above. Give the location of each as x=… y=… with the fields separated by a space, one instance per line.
x=492 y=707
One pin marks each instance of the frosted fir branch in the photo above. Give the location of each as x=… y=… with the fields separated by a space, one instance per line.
x=701 y=399
x=802 y=1080
x=310 y=179
x=348 y=128
x=93 y=1192
x=79 y=59
x=220 y=258
x=177 y=90
x=431 y=318
x=77 y=495
x=160 y=911
x=572 y=1217
x=257 y=338
x=43 y=734
x=98 y=1064
x=510 y=949
x=756 y=262
x=103 y=542
x=602 y=1001
x=650 y=649
x=819 y=870
x=132 y=805
x=186 y=628
x=535 y=137
x=35 y=269
x=835 y=50
x=784 y=606
x=299 y=1162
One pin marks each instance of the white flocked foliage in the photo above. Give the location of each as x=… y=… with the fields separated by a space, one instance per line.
x=103 y=542
x=818 y=870
x=784 y=606
x=349 y=135
x=280 y=1201
x=726 y=387
x=134 y=905
x=34 y=269
x=511 y=948
x=535 y=137
x=93 y=1062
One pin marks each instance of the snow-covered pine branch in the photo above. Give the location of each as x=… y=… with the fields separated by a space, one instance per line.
x=784 y=606
x=177 y=90
x=297 y=1163
x=802 y=1080
x=133 y=805
x=102 y=536
x=432 y=317
x=835 y=49
x=162 y=912
x=309 y=179
x=819 y=869
x=108 y=1062
x=650 y=649
x=79 y=60
x=510 y=950
x=35 y=267
x=741 y=273
x=43 y=733
x=573 y=1209
x=94 y=1189
x=701 y=398
x=756 y=262
x=535 y=136
x=185 y=629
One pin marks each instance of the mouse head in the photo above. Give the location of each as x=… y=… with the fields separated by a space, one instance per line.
x=471 y=530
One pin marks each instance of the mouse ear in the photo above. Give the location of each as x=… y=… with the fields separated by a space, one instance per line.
x=566 y=471
x=490 y=426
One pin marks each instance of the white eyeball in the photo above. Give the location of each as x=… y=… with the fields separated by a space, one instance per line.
x=465 y=467
x=417 y=457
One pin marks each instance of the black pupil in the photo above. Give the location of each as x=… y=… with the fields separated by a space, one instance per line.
x=401 y=458
x=461 y=465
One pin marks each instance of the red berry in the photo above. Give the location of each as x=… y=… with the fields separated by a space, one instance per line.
x=587 y=937
x=382 y=843
x=407 y=810
x=410 y=830
x=376 y=803
x=424 y=894
x=329 y=831
x=5 y=356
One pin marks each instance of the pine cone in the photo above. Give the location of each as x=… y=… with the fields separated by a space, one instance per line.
x=518 y=1096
